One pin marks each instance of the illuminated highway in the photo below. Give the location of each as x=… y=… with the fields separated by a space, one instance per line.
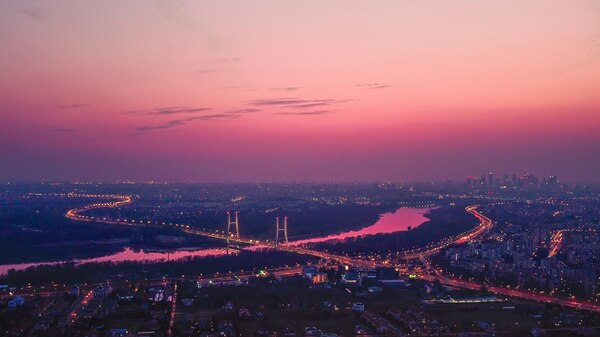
x=173 y=311
x=484 y=225
x=516 y=293
x=76 y=214
x=430 y=274
x=556 y=241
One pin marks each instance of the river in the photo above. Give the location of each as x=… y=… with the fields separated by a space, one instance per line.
x=400 y=220
x=127 y=254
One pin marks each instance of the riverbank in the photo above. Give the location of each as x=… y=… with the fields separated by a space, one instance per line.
x=443 y=222
x=71 y=273
x=401 y=219
x=127 y=254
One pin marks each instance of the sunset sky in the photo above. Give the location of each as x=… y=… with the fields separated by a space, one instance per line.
x=333 y=90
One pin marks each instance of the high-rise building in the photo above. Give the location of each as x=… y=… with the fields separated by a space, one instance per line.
x=490 y=179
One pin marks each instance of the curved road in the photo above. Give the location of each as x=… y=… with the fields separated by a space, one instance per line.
x=484 y=225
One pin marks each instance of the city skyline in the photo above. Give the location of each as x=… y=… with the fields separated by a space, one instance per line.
x=490 y=179
x=281 y=91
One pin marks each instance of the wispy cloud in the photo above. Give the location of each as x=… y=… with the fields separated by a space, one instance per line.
x=309 y=105
x=298 y=106
x=73 y=106
x=303 y=113
x=295 y=103
x=285 y=89
x=166 y=125
x=244 y=111
x=170 y=110
x=183 y=121
x=34 y=13
x=374 y=85
x=283 y=101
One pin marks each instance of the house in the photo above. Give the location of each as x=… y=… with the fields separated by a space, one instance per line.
x=358 y=306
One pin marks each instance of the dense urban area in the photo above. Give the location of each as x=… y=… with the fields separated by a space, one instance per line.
x=507 y=255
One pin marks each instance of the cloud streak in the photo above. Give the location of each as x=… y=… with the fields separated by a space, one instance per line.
x=298 y=106
x=72 y=106
x=285 y=89
x=170 y=110
x=244 y=111
x=34 y=13
x=375 y=85
x=295 y=103
x=183 y=121
x=303 y=113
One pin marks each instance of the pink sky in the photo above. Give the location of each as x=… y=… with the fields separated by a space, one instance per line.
x=298 y=90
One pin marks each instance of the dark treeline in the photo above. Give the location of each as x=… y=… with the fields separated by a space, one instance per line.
x=316 y=222
x=304 y=221
x=15 y=250
x=35 y=229
x=70 y=273
x=443 y=222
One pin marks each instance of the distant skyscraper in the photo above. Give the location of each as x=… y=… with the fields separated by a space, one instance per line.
x=490 y=179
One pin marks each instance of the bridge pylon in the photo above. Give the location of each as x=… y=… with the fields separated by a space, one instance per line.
x=281 y=227
x=230 y=222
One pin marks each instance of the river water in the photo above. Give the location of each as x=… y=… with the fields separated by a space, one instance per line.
x=126 y=255
x=400 y=220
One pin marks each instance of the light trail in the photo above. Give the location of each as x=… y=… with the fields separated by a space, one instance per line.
x=173 y=311
x=556 y=243
x=484 y=225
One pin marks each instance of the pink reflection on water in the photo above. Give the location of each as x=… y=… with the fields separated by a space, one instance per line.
x=396 y=221
x=126 y=255
x=130 y=255
x=400 y=220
